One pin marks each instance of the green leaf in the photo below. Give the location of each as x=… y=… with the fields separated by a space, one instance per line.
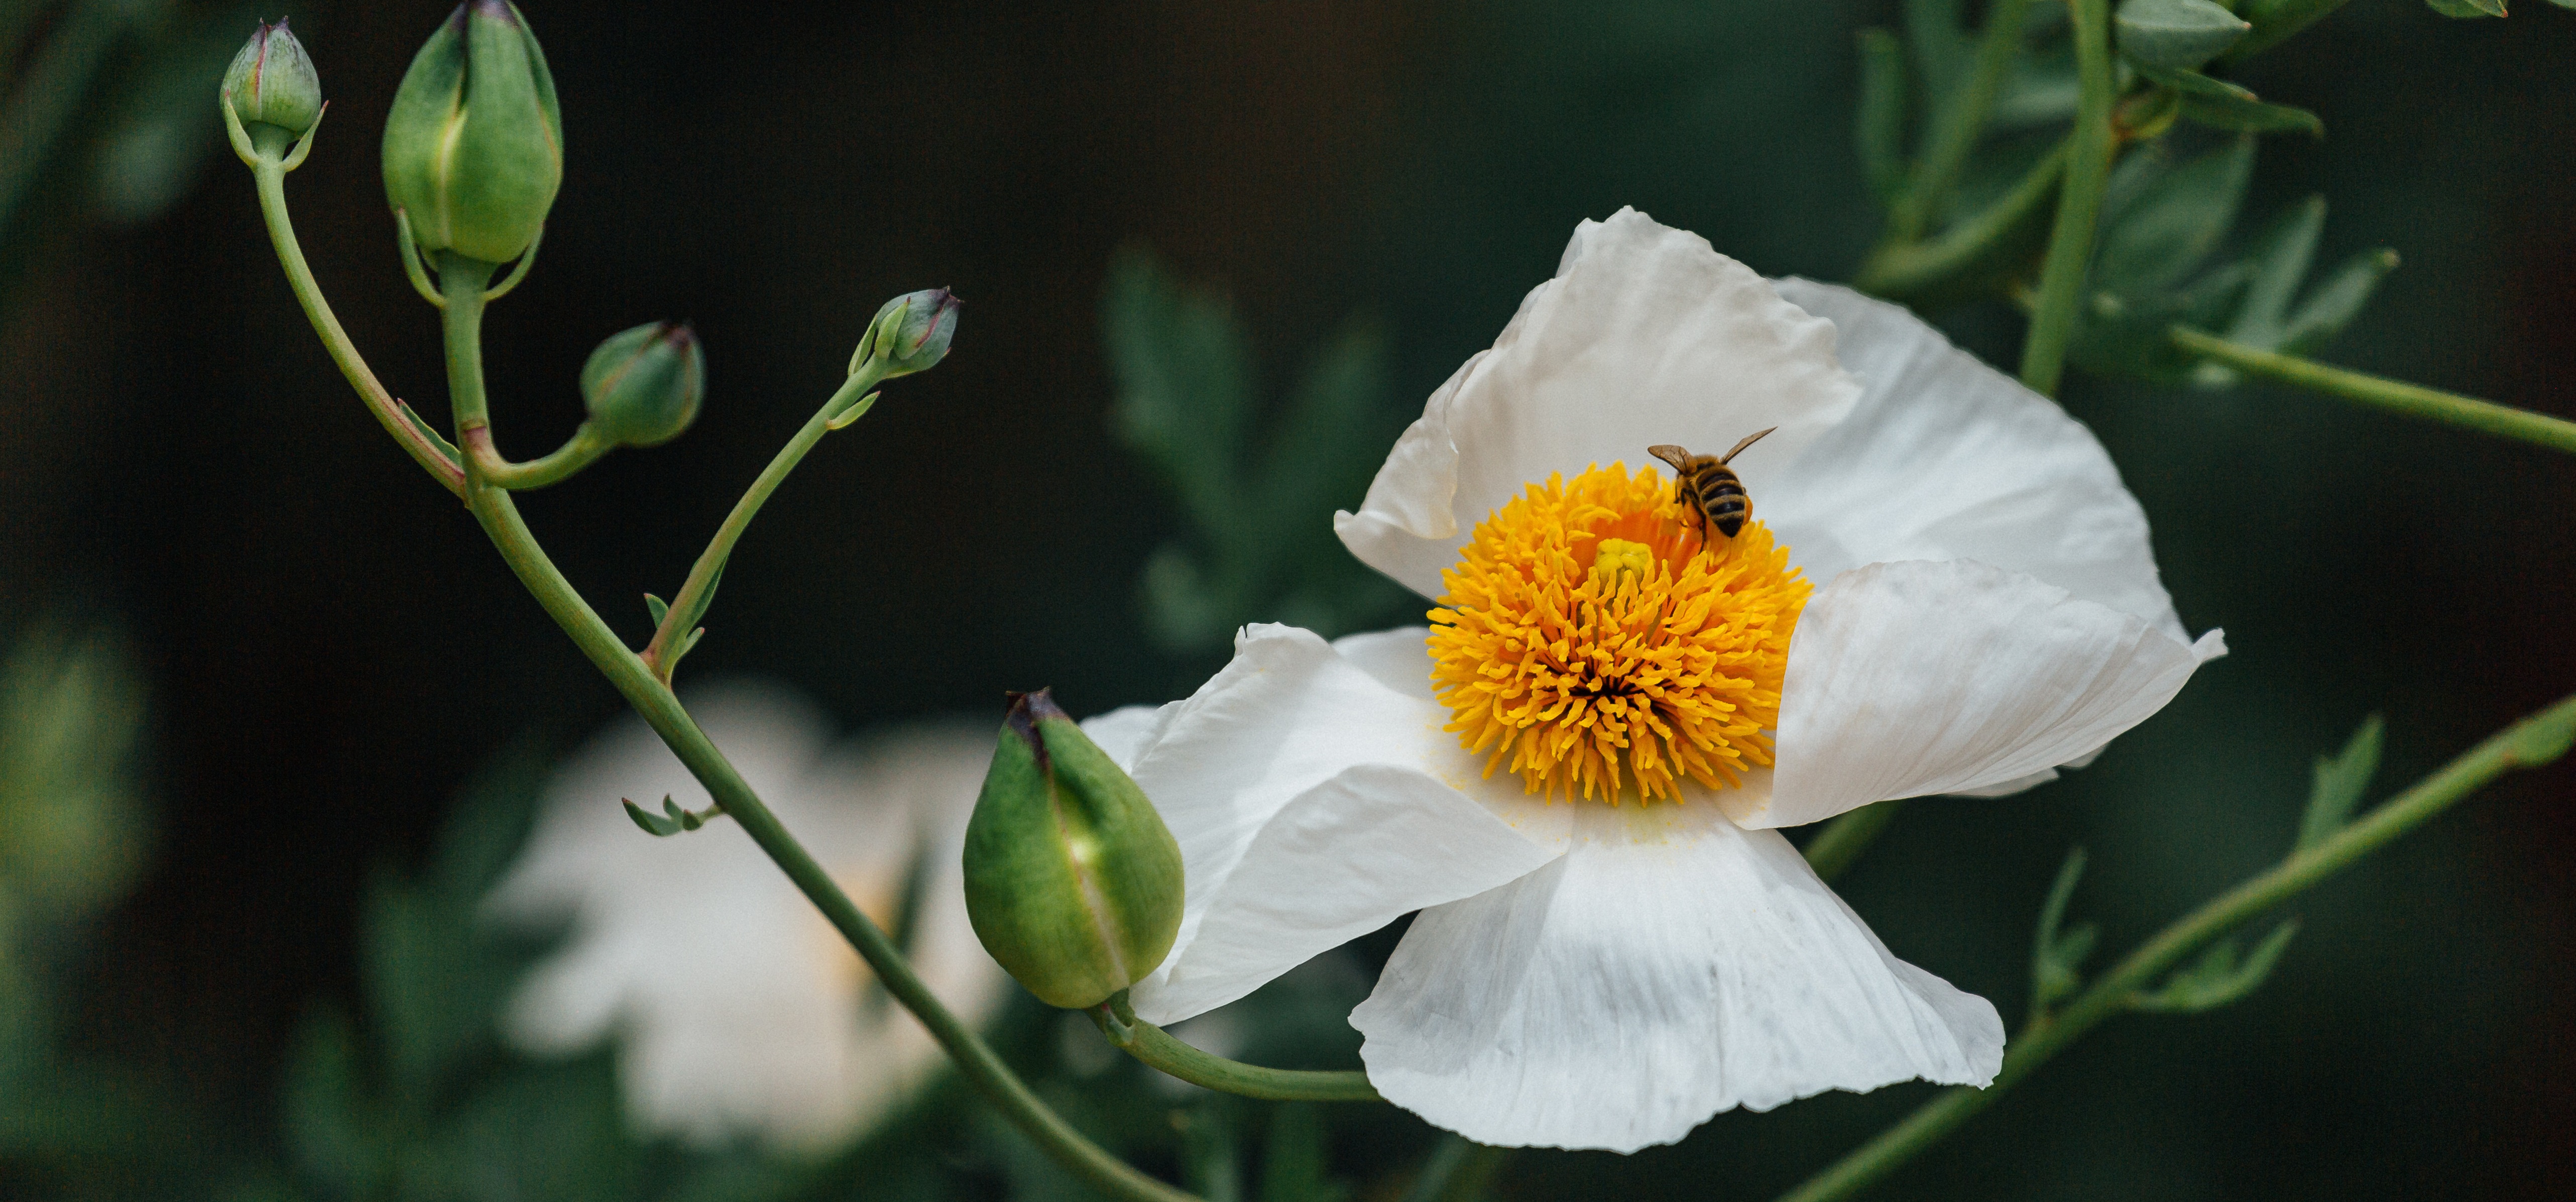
x=2279 y=261
x=657 y=607
x=1881 y=121
x=2222 y=105
x=2470 y=8
x=2176 y=34
x=2340 y=780
x=2218 y=978
x=1183 y=369
x=2337 y=301
x=2056 y=959
x=2176 y=219
x=1944 y=53
x=672 y=820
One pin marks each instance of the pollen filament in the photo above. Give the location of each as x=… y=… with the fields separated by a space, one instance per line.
x=1590 y=640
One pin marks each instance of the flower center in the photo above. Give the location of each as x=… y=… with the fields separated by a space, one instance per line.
x=1593 y=643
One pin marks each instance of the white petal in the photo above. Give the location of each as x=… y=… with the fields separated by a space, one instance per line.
x=1645 y=336
x=1343 y=859
x=1123 y=732
x=1400 y=659
x=1947 y=458
x=1669 y=967
x=1913 y=678
x=1280 y=723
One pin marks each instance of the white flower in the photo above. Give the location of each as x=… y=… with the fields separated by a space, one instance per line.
x=1973 y=602
x=738 y=1010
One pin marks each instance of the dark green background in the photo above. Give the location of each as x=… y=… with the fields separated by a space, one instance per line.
x=334 y=648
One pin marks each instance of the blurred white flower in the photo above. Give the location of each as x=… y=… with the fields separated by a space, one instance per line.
x=1576 y=772
x=737 y=1009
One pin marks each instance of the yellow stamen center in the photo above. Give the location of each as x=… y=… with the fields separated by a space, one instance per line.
x=1595 y=645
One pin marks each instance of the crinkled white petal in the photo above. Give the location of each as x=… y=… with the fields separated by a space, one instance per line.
x=1313 y=802
x=1668 y=967
x=1913 y=678
x=737 y=1009
x=1645 y=336
x=1947 y=458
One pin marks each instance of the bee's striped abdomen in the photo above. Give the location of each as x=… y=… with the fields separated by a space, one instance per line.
x=1721 y=498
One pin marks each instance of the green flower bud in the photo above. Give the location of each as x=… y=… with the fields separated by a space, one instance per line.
x=1072 y=881
x=643 y=385
x=272 y=81
x=474 y=144
x=2176 y=35
x=911 y=333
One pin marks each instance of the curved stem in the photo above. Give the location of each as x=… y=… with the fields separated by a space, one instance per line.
x=2413 y=400
x=1838 y=845
x=690 y=603
x=1157 y=1047
x=2079 y=202
x=2529 y=743
x=580 y=451
x=1897 y=269
x=433 y=454
x=1956 y=126
x=975 y=1060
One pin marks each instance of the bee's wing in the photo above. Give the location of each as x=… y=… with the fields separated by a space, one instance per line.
x=1679 y=458
x=1749 y=440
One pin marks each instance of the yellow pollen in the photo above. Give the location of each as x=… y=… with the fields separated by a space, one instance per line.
x=1596 y=647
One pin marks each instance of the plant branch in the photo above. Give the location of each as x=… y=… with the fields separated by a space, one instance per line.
x=580 y=451
x=1157 y=1048
x=2529 y=743
x=1899 y=269
x=845 y=405
x=2413 y=400
x=1956 y=127
x=2079 y=202
x=426 y=448
x=499 y=515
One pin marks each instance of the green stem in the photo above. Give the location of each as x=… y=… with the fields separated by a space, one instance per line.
x=690 y=604
x=2079 y=202
x=1897 y=269
x=1956 y=127
x=499 y=515
x=1157 y=1047
x=55 y=88
x=1841 y=842
x=2413 y=400
x=2529 y=743
x=580 y=451
x=426 y=448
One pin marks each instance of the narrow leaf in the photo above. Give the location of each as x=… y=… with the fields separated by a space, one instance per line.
x=2469 y=8
x=1184 y=373
x=2279 y=262
x=2337 y=301
x=2244 y=116
x=2175 y=222
x=1944 y=54
x=653 y=824
x=2176 y=34
x=657 y=607
x=2340 y=780
x=2218 y=978
x=2053 y=971
x=1881 y=131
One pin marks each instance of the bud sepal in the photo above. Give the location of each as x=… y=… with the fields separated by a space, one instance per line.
x=272 y=82
x=473 y=151
x=1072 y=881
x=910 y=333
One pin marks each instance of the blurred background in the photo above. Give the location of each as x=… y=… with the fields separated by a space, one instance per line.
x=284 y=673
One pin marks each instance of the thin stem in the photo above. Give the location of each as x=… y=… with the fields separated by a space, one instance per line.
x=1957 y=125
x=1156 y=1047
x=2413 y=400
x=1837 y=846
x=580 y=451
x=690 y=604
x=425 y=447
x=2079 y=202
x=2529 y=743
x=1897 y=269
x=499 y=515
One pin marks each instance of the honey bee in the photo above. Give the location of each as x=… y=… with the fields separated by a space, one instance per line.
x=1709 y=487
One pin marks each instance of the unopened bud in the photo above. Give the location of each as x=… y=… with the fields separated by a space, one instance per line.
x=474 y=144
x=272 y=81
x=911 y=333
x=642 y=386
x=1072 y=880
